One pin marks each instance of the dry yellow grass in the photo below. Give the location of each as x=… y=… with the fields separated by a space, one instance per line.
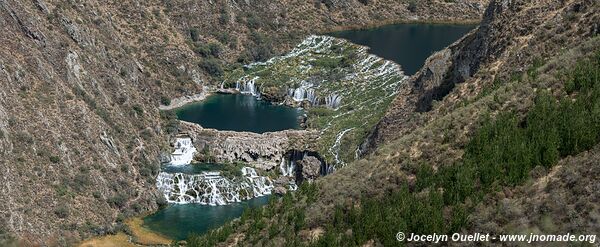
x=145 y=236
x=118 y=240
x=142 y=237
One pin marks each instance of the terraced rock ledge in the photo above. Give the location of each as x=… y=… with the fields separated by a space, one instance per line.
x=343 y=88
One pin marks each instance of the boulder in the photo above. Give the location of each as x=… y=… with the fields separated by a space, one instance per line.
x=310 y=167
x=280 y=190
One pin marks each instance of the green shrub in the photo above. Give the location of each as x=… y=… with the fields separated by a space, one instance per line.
x=54 y=159
x=96 y=194
x=212 y=67
x=208 y=50
x=165 y=100
x=124 y=168
x=194 y=34
x=61 y=211
x=117 y=201
x=138 y=109
x=170 y=122
x=412 y=6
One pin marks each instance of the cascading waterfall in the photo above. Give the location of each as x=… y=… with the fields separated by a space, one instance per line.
x=333 y=100
x=326 y=169
x=287 y=168
x=304 y=92
x=334 y=150
x=184 y=152
x=248 y=87
x=210 y=188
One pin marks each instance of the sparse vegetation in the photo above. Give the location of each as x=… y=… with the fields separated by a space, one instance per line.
x=412 y=6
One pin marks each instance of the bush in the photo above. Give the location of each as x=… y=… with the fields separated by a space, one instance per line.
x=412 y=6
x=165 y=100
x=170 y=123
x=54 y=159
x=138 y=109
x=212 y=67
x=208 y=50
x=118 y=201
x=62 y=211
x=194 y=34
x=96 y=194
x=124 y=168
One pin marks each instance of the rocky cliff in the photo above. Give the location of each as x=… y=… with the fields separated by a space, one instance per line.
x=264 y=151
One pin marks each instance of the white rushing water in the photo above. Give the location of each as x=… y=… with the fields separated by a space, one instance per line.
x=245 y=86
x=210 y=188
x=334 y=150
x=287 y=168
x=184 y=152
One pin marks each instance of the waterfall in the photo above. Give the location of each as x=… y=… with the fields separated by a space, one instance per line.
x=304 y=92
x=248 y=87
x=287 y=169
x=333 y=100
x=299 y=94
x=334 y=150
x=326 y=169
x=311 y=96
x=184 y=152
x=210 y=188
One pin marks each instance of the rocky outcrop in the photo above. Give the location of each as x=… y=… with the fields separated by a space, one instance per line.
x=264 y=151
x=308 y=168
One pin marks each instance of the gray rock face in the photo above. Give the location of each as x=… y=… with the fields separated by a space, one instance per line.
x=263 y=151
x=281 y=184
x=310 y=167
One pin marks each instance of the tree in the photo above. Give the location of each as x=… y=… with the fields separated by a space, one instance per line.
x=212 y=67
x=412 y=6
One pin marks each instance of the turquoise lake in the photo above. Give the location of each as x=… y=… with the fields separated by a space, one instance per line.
x=177 y=221
x=239 y=112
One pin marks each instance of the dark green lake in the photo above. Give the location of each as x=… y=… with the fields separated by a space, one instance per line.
x=406 y=44
x=240 y=112
x=177 y=221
